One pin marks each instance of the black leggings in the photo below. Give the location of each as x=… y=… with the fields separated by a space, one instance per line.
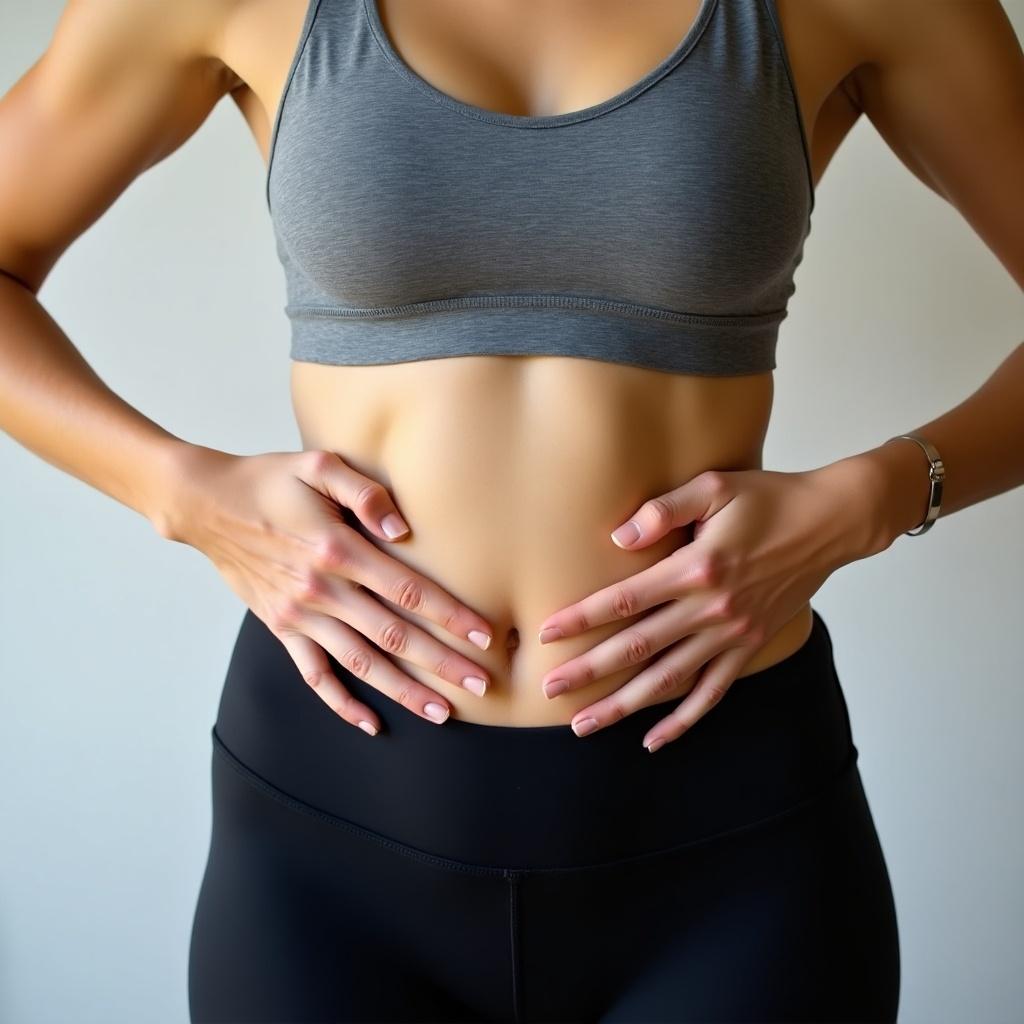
x=465 y=872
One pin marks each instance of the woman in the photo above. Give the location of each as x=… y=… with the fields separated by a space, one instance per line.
x=536 y=260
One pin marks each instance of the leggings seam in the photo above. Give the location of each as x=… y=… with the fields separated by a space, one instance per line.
x=513 y=923
x=845 y=773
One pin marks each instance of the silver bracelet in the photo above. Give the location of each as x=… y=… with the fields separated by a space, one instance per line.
x=936 y=473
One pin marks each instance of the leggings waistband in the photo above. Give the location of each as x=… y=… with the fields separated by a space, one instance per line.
x=494 y=798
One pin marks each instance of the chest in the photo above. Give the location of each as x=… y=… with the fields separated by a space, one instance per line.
x=532 y=60
x=686 y=189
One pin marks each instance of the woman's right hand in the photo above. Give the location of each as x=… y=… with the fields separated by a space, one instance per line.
x=272 y=526
x=121 y=87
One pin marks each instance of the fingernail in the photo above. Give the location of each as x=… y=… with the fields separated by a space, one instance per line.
x=549 y=633
x=626 y=534
x=393 y=526
x=476 y=684
x=436 y=712
x=482 y=640
x=367 y=727
x=654 y=744
x=555 y=687
x=583 y=727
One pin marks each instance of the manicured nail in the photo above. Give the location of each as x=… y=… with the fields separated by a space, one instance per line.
x=476 y=684
x=393 y=526
x=482 y=640
x=368 y=727
x=654 y=744
x=585 y=726
x=436 y=712
x=626 y=534
x=549 y=633
x=555 y=687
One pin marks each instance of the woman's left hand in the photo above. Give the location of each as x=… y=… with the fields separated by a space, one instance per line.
x=763 y=543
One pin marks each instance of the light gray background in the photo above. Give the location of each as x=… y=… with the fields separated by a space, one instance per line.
x=113 y=642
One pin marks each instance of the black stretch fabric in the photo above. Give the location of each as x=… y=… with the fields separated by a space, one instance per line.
x=465 y=872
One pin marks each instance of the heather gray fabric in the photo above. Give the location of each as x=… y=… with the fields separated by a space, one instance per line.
x=660 y=228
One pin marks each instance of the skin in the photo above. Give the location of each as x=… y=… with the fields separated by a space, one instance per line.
x=513 y=526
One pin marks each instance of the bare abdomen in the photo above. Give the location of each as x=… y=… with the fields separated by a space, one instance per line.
x=512 y=472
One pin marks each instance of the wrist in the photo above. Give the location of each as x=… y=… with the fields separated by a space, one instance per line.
x=888 y=488
x=177 y=498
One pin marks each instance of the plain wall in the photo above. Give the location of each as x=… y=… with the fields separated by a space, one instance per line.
x=114 y=642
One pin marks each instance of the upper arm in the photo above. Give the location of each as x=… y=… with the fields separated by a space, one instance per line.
x=120 y=86
x=943 y=83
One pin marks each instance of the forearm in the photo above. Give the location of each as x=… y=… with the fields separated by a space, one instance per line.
x=981 y=442
x=55 y=405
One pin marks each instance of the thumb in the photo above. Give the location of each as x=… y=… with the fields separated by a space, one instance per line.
x=369 y=500
x=697 y=499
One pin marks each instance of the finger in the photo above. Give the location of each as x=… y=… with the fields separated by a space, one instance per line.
x=315 y=669
x=351 y=556
x=355 y=653
x=403 y=639
x=715 y=680
x=633 y=645
x=698 y=498
x=368 y=499
x=671 y=675
x=664 y=581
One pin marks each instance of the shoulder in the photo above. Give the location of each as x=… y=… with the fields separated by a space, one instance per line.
x=119 y=86
x=115 y=29
x=890 y=32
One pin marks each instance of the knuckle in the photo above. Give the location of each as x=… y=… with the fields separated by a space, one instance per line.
x=713 y=693
x=314 y=677
x=320 y=460
x=446 y=668
x=404 y=696
x=583 y=672
x=660 y=510
x=714 y=481
x=615 y=713
x=757 y=634
x=286 y=614
x=581 y=622
x=308 y=587
x=707 y=569
x=407 y=593
x=330 y=552
x=358 y=660
x=665 y=683
x=394 y=637
x=637 y=648
x=743 y=625
x=367 y=493
x=723 y=607
x=624 y=602
x=277 y=622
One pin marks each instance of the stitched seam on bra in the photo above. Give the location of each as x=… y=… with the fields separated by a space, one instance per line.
x=308 y=21
x=798 y=114
x=585 y=303
x=845 y=773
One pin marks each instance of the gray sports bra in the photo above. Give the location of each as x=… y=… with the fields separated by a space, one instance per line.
x=660 y=228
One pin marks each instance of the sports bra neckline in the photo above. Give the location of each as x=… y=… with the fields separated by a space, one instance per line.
x=689 y=40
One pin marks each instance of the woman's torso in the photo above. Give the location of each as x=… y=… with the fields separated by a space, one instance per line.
x=513 y=470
